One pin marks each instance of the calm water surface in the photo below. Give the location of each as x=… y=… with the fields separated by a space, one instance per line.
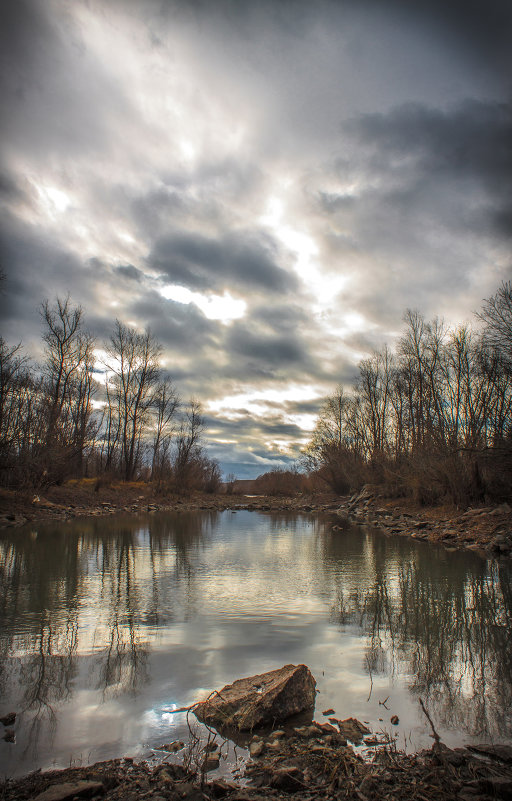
x=107 y=623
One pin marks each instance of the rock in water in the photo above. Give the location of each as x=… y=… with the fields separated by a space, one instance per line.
x=352 y=729
x=259 y=700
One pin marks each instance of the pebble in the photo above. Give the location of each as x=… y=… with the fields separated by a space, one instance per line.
x=256 y=748
x=211 y=762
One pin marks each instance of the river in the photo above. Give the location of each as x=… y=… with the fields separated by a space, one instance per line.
x=107 y=624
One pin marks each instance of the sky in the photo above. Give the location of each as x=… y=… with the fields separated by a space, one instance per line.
x=267 y=185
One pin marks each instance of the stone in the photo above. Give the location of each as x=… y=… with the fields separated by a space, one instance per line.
x=312 y=731
x=60 y=792
x=328 y=712
x=394 y=720
x=8 y=719
x=258 y=700
x=289 y=778
x=256 y=749
x=173 y=747
x=220 y=787
x=351 y=728
x=211 y=762
x=454 y=756
x=327 y=728
x=275 y=745
x=503 y=753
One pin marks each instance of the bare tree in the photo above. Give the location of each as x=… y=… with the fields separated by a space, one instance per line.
x=333 y=451
x=497 y=316
x=188 y=444
x=68 y=385
x=134 y=372
x=12 y=378
x=165 y=405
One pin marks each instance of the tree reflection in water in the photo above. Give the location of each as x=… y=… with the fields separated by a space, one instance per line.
x=446 y=626
x=45 y=576
x=123 y=658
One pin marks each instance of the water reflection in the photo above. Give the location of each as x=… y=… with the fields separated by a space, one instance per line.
x=445 y=621
x=99 y=611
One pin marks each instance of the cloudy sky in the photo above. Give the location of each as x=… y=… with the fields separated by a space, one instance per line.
x=267 y=185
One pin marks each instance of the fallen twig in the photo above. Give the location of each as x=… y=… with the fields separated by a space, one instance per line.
x=437 y=739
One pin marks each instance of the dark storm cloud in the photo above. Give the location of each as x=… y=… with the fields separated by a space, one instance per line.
x=245 y=260
x=130 y=272
x=268 y=349
x=11 y=192
x=471 y=140
x=284 y=317
x=246 y=425
x=152 y=210
x=466 y=151
x=482 y=28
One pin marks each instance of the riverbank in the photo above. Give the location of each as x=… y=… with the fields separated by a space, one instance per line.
x=486 y=528
x=313 y=763
x=83 y=499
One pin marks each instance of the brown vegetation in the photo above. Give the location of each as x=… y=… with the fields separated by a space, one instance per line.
x=432 y=421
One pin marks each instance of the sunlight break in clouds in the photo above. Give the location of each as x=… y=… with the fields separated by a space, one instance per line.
x=283 y=223
x=224 y=308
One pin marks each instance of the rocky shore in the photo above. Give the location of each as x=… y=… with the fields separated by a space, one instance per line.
x=312 y=762
x=487 y=529
x=17 y=509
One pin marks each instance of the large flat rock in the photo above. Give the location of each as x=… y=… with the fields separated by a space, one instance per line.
x=260 y=700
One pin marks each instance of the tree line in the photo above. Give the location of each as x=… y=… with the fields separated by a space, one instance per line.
x=58 y=421
x=433 y=418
